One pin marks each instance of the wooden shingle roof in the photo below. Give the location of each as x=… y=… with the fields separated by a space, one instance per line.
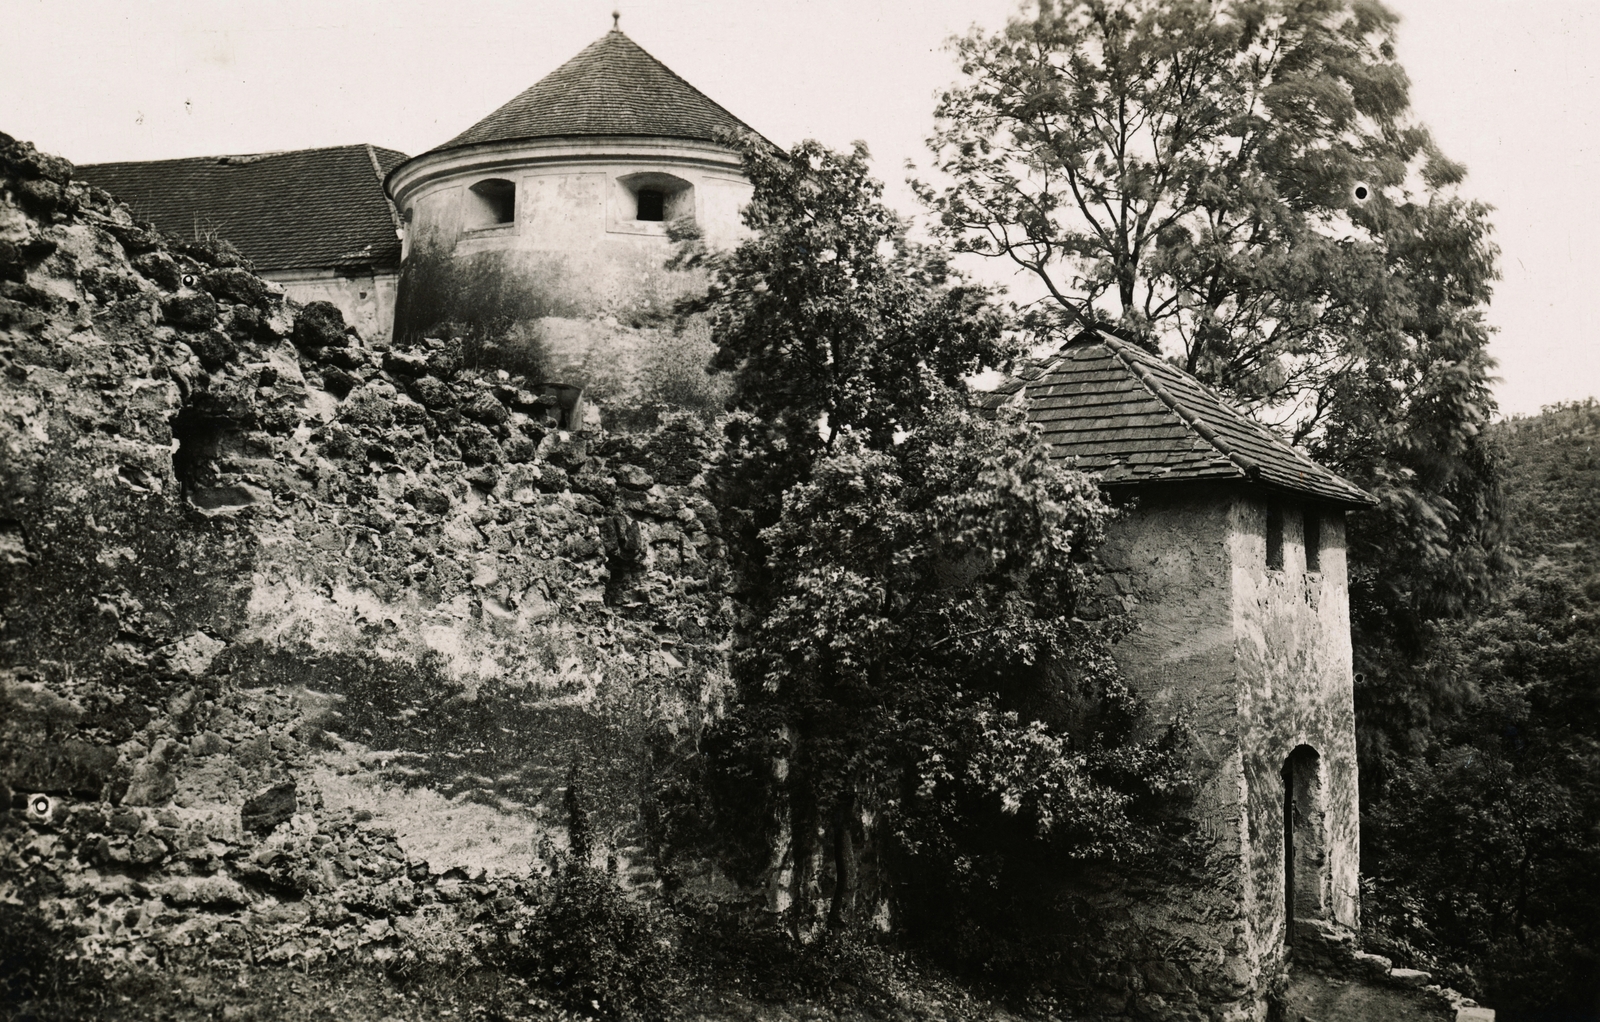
x=612 y=87
x=305 y=209
x=1133 y=419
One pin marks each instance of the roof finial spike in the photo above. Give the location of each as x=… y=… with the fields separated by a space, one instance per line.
x=616 y=21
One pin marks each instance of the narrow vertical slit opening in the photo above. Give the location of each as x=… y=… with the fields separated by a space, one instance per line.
x=1274 y=537
x=1313 y=533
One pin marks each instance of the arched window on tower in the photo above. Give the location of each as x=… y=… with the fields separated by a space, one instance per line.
x=652 y=198
x=490 y=203
x=1306 y=878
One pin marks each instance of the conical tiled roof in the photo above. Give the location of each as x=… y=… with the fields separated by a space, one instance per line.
x=1132 y=418
x=612 y=87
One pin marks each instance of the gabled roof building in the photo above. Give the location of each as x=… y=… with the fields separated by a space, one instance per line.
x=570 y=186
x=316 y=221
x=1230 y=556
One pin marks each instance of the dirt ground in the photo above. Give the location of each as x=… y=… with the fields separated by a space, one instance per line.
x=1313 y=998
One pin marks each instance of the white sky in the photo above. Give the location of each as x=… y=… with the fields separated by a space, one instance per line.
x=1509 y=88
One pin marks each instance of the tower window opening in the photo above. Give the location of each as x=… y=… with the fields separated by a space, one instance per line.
x=1306 y=879
x=652 y=204
x=646 y=202
x=1313 y=533
x=492 y=203
x=1274 y=537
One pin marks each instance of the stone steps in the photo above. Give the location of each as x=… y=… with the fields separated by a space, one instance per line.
x=1341 y=983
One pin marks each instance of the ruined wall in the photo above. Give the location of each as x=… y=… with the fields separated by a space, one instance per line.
x=308 y=642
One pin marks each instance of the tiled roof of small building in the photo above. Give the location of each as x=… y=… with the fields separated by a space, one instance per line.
x=305 y=209
x=1133 y=419
x=612 y=87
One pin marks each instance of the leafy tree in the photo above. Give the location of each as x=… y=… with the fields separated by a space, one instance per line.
x=827 y=321
x=1483 y=861
x=829 y=315
x=1240 y=184
x=911 y=572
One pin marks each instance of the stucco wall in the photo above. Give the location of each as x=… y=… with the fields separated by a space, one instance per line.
x=1169 y=559
x=572 y=200
x=367 y=300
x=1259 y=662
x=597 y=271
x=1292 y=647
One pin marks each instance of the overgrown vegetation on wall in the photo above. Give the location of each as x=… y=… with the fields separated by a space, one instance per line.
x=301 y=644
x=553 y=319
x=344 y=659
x=326 y=656
x=489 y=300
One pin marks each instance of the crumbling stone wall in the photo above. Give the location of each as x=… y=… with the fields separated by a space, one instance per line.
x=305 y=640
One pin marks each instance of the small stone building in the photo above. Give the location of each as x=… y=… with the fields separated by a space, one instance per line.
x=1231 y=555
x=313 y=220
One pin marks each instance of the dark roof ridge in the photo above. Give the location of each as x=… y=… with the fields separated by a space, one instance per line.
x=377 y=171
x=241 y=156
x=1120 y=348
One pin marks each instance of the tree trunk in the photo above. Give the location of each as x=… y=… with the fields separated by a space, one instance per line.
x=803 y=824
x=846 y=867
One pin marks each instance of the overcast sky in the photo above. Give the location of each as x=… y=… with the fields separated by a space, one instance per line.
x=1509 y=88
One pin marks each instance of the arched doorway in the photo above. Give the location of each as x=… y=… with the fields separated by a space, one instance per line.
x=1305 y=852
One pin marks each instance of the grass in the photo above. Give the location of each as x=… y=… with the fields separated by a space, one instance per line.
x=726 y=974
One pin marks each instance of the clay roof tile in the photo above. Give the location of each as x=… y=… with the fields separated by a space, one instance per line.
x=304 y=209
x=612 y=87
x=1133 y=418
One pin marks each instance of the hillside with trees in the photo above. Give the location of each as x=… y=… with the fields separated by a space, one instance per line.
x=1482 y=849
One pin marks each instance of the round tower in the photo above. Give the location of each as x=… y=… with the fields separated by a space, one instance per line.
x=560 y=208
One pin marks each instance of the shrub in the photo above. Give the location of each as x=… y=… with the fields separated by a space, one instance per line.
x=598 y=950
x=39 y=976
x=489 y=298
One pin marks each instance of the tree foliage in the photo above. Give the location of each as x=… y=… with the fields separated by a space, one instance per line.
x=1240 y=184
x=911 y=572
x=829 y=315
x=1482 y=858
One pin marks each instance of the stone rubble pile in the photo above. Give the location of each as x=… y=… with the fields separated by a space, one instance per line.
x=140 y=885
x=1332 y=951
